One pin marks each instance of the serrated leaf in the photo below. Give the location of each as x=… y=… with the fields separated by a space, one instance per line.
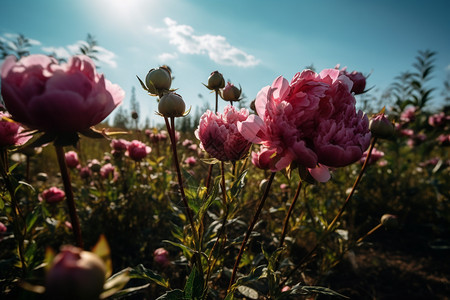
x=172 y=295
x=140 y=272
x=194 y=285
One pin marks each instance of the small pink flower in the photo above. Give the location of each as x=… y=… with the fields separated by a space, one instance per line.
x=3 y=229
x=72 y=159
x=444 y=139
x=375 y=156
x=284 y=186
x=108 y=171
x=439 y=119
x=120 y=145
x=285 y=288
x=186 y=143
x=137 y=150
x=85 y=172
x=219 y=135
x=408 y=115
x=191 y=161
x=53 y=195
x=161 y=257
x=66 y=98
x=11 y=133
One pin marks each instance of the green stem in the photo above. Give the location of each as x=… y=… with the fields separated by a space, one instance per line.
x=69 y=196
x=291 y=208
x=249 y=231
x=18 y=220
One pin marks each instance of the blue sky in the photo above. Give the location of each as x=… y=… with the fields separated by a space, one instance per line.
x=250 y=42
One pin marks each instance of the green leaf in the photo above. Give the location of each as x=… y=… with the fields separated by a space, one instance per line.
x=183 y=247
x=238 y=184
x=172 y=295
x=115 y=283
x=307 y=290
x=32 y=218
x=140 y=272
x=194 y=285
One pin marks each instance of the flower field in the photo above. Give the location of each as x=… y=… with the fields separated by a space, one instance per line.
x=309 y=192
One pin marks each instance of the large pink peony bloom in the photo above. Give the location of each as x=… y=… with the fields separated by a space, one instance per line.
x=11 y=133
x=219 y=135
x=312 y=121
x=66 y=98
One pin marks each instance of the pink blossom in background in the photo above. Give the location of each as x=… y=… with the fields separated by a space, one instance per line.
x=2 y=228
x=444 y=139
x=408 y=115
x=45 y=95
x=187 y=143
x=11 y=133
x=161 y=257
x=219 y=135
x=439 y=119
x=137 y=150
x=375 y=156
x=108 y=171
x=312 y=121
x=85 y=172
x=191 y=161
x=53 y=195
x=72 y=159
x=94 y=165
x=120 y=145
x=407 y=132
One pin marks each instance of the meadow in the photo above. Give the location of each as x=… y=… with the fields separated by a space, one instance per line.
x=172 y=213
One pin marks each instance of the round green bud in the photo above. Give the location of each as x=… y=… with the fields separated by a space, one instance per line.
x=158 y=80
x=171 y=105
x=381 y=127
x=389 y=221
x=216 y=81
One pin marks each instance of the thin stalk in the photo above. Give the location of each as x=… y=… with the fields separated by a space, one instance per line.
x=291 y=208
x=249 y=230
x=355 y=184
x=341 y=211
x=69 y=196
x=369 y=233
x=18 y=220
x=210 y=169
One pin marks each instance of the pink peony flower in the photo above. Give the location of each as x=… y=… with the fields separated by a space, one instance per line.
x=408 y=115
x=312 y=121
x=75 y=274
x=191 y=161
x=358 y=79
x=108 y=171
x=85 y=172
x=120 y=145
x=11 y=133
x=53 y=195
x=161 y=257
x=219 y=135
x=439 y=120
x=137 y=150
x=375 y=156
x=72 y=159
x=66 y=98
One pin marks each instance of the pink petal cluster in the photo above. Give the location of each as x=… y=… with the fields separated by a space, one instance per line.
x=408 y=115
x=137 y=150
x=219 y=135
x=53 y=195
x=72 y=159
x=44 y=95
x=191 y=161
x=375 y=156
x=108 y=171
x=358 y=79
x=11 y=133
x=161 y=257
x=439 y=119
x=312 y=121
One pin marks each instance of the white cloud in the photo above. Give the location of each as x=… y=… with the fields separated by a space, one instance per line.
x=59 y=52
x=167 y=56
x=215 y=46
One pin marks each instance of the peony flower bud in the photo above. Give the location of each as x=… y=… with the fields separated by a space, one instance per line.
x=359 y=82
x=53 y=195
x=389 y=221
x=230 y=93
x=161 y=257
x=171 y=105
x=215 y=81
x=381 y=127
x=75 y=274
x=134 y=115
x=95 y=166
x=72 y=159
x=158 y=80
